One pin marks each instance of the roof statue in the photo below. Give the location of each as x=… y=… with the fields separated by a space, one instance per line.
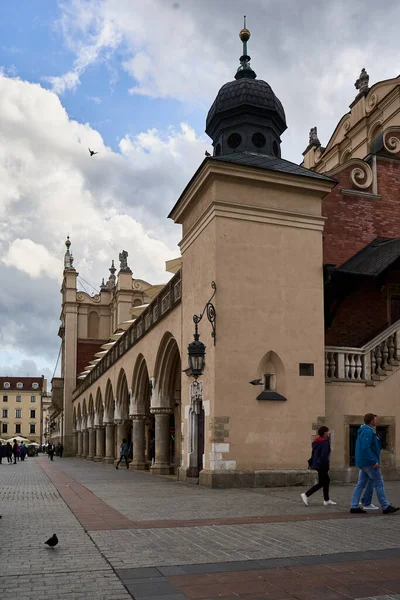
x=123 y=262
x=313 y=139
x=362 y=82
x=112 y=270
x=68 y=258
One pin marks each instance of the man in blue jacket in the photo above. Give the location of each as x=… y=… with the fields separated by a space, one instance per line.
x=368 y=451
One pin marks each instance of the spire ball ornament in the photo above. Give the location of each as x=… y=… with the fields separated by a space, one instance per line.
x=245 y=35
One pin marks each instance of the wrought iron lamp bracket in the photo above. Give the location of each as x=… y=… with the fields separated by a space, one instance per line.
x=209 y=309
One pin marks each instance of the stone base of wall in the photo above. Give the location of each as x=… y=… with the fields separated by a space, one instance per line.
x=254 y=479
x=350 y=474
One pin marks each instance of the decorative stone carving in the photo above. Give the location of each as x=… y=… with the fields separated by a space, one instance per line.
x=347 y=125
x=161 y=410
x=362 y=82
x=361 y=176
x=112 y=270
x=138 y=417
x=118 y=421
x=371 y=103
x=123 y=262
x=392 y=143
x=84 y=297
x=313 y=137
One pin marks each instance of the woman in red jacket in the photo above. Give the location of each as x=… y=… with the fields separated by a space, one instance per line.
x=321 y=450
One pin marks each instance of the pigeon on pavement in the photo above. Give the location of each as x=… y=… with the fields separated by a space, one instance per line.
x=53 y=541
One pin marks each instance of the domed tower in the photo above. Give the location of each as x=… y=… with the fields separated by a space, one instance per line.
x=246 y=115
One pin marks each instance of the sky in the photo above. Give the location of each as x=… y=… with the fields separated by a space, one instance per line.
x=133 y=80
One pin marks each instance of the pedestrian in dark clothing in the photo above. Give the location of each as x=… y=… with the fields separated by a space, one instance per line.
x=50 y=450
x=9 y=452
x=60 y=450
x=321 y=450
x=2 y=452
x=123 y=454
x=15 y=450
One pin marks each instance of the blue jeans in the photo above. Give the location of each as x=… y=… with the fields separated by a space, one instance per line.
x=369 y=478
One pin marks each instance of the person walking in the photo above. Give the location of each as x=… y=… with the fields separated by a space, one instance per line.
x=2 y=452
x=50 y=450
x=368 y=452
x=60 y=450
x=123 y=454
x=9 y=452
x=321 y=450
x=15 y=451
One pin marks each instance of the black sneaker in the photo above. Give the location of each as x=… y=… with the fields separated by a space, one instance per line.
x=389 y=510
x=357 y=510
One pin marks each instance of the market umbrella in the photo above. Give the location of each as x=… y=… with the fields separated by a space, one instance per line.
x=34 y=444
x=18 y=438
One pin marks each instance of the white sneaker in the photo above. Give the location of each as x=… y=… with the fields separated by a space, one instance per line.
x=304 y=498
x=371 y=507
x=329 y=502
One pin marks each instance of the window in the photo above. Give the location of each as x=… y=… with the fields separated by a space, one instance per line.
x=269 y=382
x=33 y=414
x=306 y=370
x=32 y=428
x=5 y=413
x=353 y=431
x=6 y=385
x=18 y=428
x=4 y=428
x=19 y=398
x=33 y=398
x=20 y=385
x=35 y=386
x=5 y=398
x=93 y=325
x=382 y=433
x=234 y=140
x=259 y=140
x=394 y=309
x=18 y=413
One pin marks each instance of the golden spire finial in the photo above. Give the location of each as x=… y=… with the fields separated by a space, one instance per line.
x=68 y=243
x=244 y=33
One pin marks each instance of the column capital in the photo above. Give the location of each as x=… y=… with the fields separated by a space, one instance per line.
x=90 y=428
x=138 y=417
x=161 y=410
x=109 y=424
x=118 y=421
x=99 y=426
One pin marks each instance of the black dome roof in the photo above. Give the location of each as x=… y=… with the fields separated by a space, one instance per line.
x=245 y=91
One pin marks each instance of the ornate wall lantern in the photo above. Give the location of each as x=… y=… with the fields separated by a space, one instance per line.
x=196 y=349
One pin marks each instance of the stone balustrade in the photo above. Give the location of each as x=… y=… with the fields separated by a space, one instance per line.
x=372 y=362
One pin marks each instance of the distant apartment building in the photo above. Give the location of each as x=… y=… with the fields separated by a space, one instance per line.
x=21 y=407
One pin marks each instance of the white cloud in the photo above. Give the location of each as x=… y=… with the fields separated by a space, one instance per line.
x=311 y=54
x=51 y=187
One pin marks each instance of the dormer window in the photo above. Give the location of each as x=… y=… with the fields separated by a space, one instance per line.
x=35 y=386
x=6 y=385
x=20 y=385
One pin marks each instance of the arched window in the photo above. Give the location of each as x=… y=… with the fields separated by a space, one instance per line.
x=6 y=385
x=20 y=385
x=93 y=325
x=137 y=302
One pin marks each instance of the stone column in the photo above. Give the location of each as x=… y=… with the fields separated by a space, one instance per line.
x=75 y=443
x=79 y=453
x=161 y=464
x=85 y=443
x=99 y=443
x=92 y=443
x=109 y=457
x=138 y=440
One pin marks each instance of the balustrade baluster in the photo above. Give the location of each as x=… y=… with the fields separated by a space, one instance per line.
x=385 y=354
x=347 y=366
x=378 y=360
x=332 y=363
x=352 y=366
x=358 y=366
x=327 y=374
x=391 y=349
x=373 y=362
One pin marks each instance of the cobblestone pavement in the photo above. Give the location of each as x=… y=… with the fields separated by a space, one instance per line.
x=332 y=555
x=32 y=511
x=129 y=493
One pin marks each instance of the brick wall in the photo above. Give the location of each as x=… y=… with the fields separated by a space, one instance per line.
x=353 y=222
x=85 y=352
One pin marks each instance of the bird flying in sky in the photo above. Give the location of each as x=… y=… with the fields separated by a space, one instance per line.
x=91 y=152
